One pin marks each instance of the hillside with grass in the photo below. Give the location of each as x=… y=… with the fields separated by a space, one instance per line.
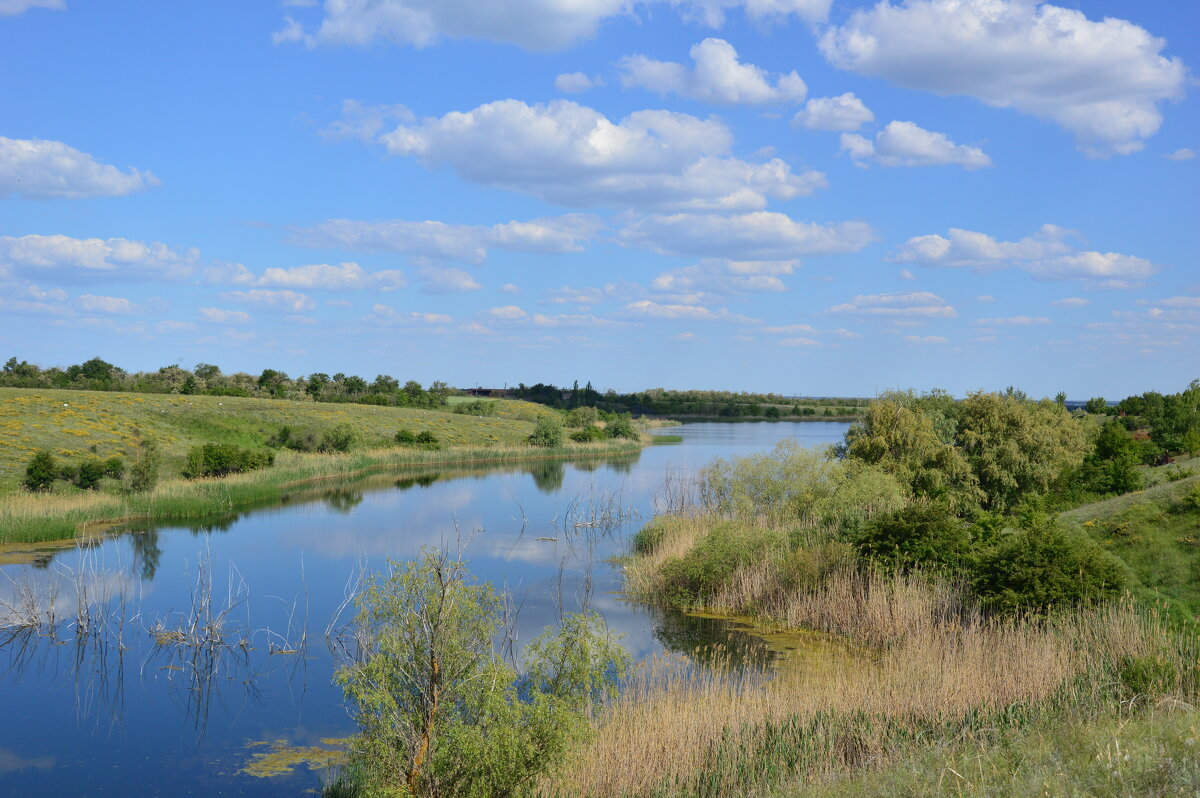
x=77 y=424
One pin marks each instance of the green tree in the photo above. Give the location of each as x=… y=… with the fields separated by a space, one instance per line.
x=919 y=536
x=41 y=472
x=143 y=474
x=582 y=417
x=1096 y=406
x=622 y=427
x=547 y=431
x=440 y=712
x=339 y=438
x=273 y=383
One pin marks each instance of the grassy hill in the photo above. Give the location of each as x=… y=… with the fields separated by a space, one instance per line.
x=76 y=424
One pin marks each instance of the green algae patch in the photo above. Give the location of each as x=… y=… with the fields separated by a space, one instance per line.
x=282 y=759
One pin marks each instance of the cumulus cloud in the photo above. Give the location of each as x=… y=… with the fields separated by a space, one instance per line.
x=1013 y=321
x=389 y=315
x=440 y=241
x=648 y=309
x=576 y=82
x=716 y=77
x=538 y=25
x=759 y=236
x=59 y=257
x=221 y=316
x=342 y=277
x=10 y=8
x=1047 y=254
x=435 y=280
x=1181 y=154
x=724 y=276
x=40 y=169
x=365 y=122
x=570 y=154
x=575 y=296
x=906 y=144
x=844 y=112
x=508 y=313
x=284 y=300
x=1071 y=302
x=107 y=304
x=1102 y=81
x=1180 y=302
x=919 y=304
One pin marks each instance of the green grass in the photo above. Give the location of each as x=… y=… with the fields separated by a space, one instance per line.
x=75 y=424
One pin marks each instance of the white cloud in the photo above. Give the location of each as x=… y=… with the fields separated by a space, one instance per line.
x=1180 y=302
x=799 y=342
x=107 y=304
x=1071 y=302
x=925 y=339
x=508 y=312
x=384 y=313
x=844 y=112
x=985 y=298
x=905 y=274
x=575 y=296
x=439 y=241
x=342 y=277
x=224 y=316
x=290 y=301
x=365 y=122
x=906 y=144
x=1013 y=321
x=576 y=82
x=10 y=8
x=436 y=280
x=653 y=310
x=1102 y=81
x=40 y=169
x=1047 y=254
x=510 y=288
x=724 y=276
x=1181 y=154
x=921 y=304
x=64 y=257
x=759 y=236
x=538 y=25
x=684 y=336
x=717 y=77
x=570 y=154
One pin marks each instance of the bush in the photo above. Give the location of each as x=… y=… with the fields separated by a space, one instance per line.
x=1045 y=567
x=547 y=432
x=219 y=459
x=694 y=579
x=295 y=440
x=338 y=438
x=1147 y=676
x=917 y=536
x=114 y=467
x=588 y=434
x=406 y=437
x=478 y=407
x=143 y=474
x=427 y=438
x=89 y=474
x=582 y=417
x=622 y=427
x=40 y=473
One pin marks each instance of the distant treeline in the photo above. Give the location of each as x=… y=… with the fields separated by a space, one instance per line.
x=207 y=379
x=701 y=404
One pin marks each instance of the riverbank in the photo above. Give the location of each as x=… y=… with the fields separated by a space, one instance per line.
x=34 y=518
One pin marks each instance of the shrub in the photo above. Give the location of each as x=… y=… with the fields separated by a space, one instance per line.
x=582 y=417
x=1045 y=567
x=338 y=438
x=622 y=427
x=292 y=439
x=114 y=467
x=40 y=473
x=478 y=407
x=547 y=432
x=588 y=434
x=426 y=438
x=406 y=437
x=143 y=474
x=219 y=459
x=89 y=474
x=693 y=580
x=918 y=536
x=1147 y=676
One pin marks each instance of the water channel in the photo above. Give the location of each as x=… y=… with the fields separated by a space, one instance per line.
x=123 y=711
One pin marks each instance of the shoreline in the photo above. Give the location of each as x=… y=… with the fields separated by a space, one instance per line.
x=36 y=519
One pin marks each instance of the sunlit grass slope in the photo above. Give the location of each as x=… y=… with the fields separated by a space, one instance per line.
x=75 y=424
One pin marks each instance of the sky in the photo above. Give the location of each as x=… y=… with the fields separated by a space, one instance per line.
x=810 y=197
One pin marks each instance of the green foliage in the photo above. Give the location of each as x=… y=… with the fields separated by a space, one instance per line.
x=143 y=474
x=89 y=473
x=478 y=407
x=338 y=438
x=290 y=438
x=426 y=438
x=582 y=417
x=440 y=712
x=1147 y=676
x=219 y=459
x=41 y=472
x=114 y=467
x=547 y=432
x=1044 y=567
x=588 y=434
x=919 y=536
x=693 y=579
x=622 y=427
x=406 y=437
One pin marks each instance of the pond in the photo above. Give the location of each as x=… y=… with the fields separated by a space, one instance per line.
x=121 y=707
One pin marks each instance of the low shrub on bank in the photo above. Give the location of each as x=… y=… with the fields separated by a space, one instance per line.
x=338 y=438
x=694 y=579
x=219 y=459
x=547 y=432
x=422 y=440
x=588 y=434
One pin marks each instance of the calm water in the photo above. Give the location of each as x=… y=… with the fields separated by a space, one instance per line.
x=120 y=715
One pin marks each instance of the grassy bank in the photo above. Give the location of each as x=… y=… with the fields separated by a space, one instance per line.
x=28 y=518
x=76 y=424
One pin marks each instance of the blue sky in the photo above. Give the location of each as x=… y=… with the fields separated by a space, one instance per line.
x=801 y=196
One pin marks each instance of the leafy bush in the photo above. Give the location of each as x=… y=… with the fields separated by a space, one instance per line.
x=89 y=473
x=478 y=407
x=582 y=417
x=219 y=459
x=1147 y=676
x=406 y=437
x=1045 y=567
x=588 y=434
x=114 y=467
x=297 y=441
x=427 y=438
x=143 y=474
x=547 y=432
x=338 y=438
x=694 y=579
x=918 y=536
x=40 y=473
x=622 y=427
